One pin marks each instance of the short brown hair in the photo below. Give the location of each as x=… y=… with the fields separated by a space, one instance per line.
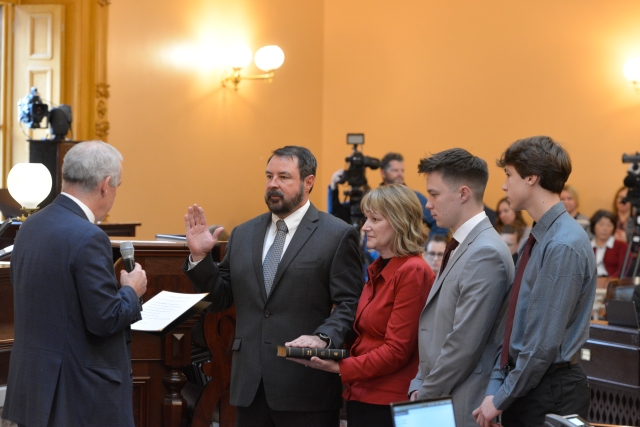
x=401 y=207
x=540 y=156
x=458 y=166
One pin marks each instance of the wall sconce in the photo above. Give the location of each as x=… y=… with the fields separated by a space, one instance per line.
x=29 y=184
x=267 y=58
x=631 y=71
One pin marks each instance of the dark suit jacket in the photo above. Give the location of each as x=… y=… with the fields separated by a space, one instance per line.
x=70 y=364
x=320 y=267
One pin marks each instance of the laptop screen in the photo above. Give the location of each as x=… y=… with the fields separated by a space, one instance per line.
x=424 y=413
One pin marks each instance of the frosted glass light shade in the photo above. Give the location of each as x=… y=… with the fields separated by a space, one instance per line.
x=269 y=58
x=239 y=55
x=29 y=184
x=631 y=70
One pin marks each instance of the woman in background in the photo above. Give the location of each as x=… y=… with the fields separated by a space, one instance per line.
x=623 y=212
x=507 y=216
x=384 y=356
x=569 y=197
x=609 y=251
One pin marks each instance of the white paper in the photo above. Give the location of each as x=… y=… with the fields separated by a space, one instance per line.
x=163 y=309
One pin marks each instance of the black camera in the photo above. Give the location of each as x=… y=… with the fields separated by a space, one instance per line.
x=355 y=177
x=32 y=109
x=632 y=180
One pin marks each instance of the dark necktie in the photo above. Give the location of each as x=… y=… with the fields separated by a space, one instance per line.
x=271 y=261
x=513 y=299
x=447 y=253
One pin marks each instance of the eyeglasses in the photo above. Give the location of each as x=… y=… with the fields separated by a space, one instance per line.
x=435 y=254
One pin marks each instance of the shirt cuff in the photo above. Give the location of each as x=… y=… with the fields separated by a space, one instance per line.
x=193 y=263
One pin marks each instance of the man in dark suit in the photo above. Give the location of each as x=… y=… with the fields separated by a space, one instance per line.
x=71 y=364
x=295 y=277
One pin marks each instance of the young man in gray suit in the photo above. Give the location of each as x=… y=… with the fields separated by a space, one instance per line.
x=295 y=277
x=71 y=360
x=462 y=324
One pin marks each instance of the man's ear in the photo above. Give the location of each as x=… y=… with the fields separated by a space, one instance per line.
x=465 y=193
x=533 y=179
x=308 y=183
x=104 y=186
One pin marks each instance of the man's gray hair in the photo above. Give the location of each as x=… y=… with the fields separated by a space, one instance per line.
x=89 y=163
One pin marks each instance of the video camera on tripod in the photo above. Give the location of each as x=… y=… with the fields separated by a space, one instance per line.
x=632 y=182
x=355 y=177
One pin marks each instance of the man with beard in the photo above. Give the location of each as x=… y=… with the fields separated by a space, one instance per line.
x=295 y=276
x=392 y=172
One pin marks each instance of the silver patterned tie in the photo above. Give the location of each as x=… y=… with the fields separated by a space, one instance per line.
x=271 y=261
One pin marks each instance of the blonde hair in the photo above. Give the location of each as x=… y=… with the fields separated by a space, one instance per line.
x=401 y=207
x=569 y=189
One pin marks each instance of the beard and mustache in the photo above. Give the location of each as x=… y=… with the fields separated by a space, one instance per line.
x=283 y=205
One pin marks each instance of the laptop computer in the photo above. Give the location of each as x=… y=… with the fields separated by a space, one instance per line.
x=621 y=313
x=436 y=412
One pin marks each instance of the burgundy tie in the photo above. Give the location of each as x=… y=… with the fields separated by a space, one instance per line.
x=447 y=253
x=513 y=300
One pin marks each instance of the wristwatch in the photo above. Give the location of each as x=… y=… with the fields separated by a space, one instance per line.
x=324 y=337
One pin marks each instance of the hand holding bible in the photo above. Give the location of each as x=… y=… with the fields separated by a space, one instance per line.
x=199 y=239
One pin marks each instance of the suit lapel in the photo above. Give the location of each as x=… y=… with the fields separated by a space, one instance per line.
x=303 y=232
x=462 y=248
x=259 y=232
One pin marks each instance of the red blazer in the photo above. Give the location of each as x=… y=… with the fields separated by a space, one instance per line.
x=384 y=357
x=614 y=258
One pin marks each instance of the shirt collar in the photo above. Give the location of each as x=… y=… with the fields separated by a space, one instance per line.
x=463 y=231
x=608 y=244
x=293 y=220
x=84 y=207
x=540 y=228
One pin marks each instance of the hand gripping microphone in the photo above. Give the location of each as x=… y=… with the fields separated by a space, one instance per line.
x=126 y=250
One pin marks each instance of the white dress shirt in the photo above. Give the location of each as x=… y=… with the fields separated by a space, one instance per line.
x=463 y=231
x=84 y=207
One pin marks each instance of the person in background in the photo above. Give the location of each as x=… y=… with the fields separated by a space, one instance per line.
x=625 y=214
x=609 y=251
x=384 y=356
x=510 y=236
x=435 y=248
x=569 y=197
x=507 y=216
x=392 y=172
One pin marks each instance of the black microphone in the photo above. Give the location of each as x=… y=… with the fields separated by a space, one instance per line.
x=126 y=250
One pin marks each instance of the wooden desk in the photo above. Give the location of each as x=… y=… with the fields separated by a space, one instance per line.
x=157 y=361
x=611 y=360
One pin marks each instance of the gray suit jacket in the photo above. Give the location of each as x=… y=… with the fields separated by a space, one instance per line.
x=462 y=324
x=320 y=267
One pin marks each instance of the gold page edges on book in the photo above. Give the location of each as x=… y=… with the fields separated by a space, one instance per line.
x=308 y=353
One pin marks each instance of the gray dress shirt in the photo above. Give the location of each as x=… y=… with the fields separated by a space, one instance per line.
x=554 y=306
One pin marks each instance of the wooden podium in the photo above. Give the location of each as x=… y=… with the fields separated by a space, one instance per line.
x=157 y=362
x=611 y=360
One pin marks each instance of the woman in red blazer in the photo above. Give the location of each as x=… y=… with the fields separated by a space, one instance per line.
x=609 y=252
x=384 y=356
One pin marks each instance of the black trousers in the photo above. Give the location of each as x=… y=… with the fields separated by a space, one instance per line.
x=360 y=414
x=562 y=391
x=258 y=414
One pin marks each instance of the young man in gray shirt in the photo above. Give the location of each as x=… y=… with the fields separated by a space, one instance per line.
x=554 y=287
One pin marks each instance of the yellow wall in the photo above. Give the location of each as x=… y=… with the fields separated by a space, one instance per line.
x=184 y=138
x=415 y=76
x=422 y=76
